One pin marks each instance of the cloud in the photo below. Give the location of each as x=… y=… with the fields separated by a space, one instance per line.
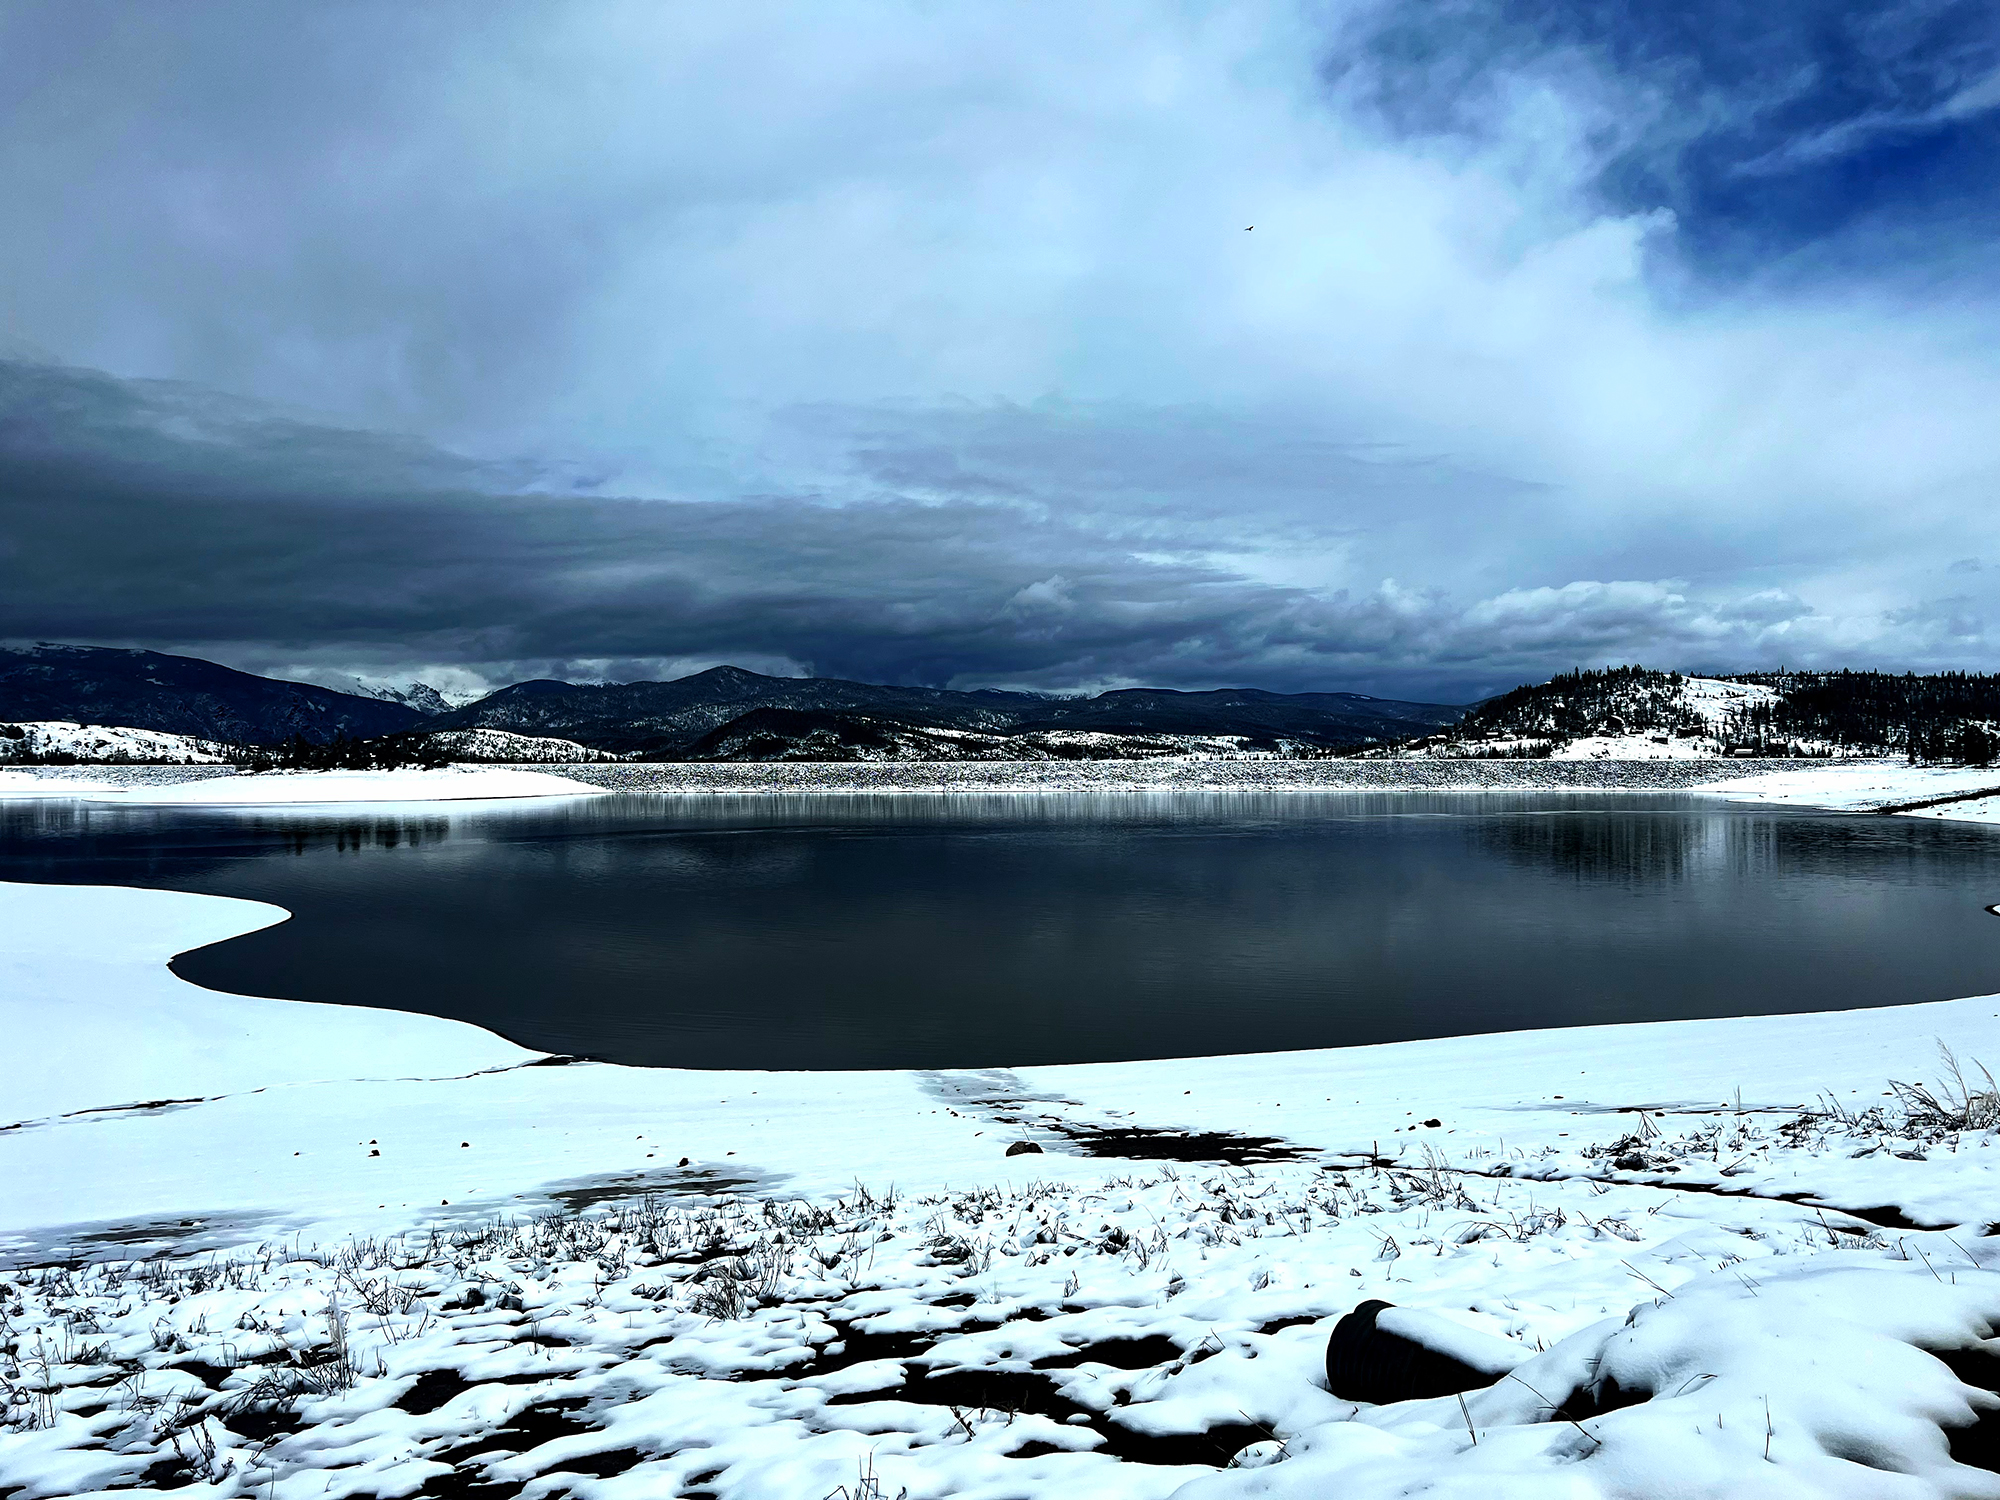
x=304 y=550
x=926 y=342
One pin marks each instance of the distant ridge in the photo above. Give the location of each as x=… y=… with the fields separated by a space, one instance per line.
x=722 y=713
x=181 y=695
x=673 y=719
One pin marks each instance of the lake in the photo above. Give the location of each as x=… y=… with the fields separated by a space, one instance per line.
x=985 y=930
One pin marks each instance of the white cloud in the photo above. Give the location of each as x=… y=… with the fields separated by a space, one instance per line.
x=987 y=257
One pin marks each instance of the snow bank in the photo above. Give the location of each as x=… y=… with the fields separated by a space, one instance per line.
x=1859 y=786
x=92 y=1018
x=307 y=788
x=1815 y=1379
x=1973 y=810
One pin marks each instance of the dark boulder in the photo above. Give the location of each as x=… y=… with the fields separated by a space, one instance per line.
x=1412 y=1356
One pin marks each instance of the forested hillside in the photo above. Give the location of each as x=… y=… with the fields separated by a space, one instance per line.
x=1943 y=716
x=1618 y=712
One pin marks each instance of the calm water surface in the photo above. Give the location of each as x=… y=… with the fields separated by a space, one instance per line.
x=913 y=931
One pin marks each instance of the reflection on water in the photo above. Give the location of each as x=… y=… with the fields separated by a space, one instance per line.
x=923 y=931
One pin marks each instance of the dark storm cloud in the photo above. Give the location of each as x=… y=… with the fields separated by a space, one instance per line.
x=137 y=512
x=927 y=342
x=143 y=512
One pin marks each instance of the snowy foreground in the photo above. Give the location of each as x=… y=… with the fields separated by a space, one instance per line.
x=263 y=1247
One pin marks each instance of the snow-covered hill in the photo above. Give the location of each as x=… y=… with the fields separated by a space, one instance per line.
x=1632 y=713
x=1713 y=712
x=58 y=740
x=1627 y=713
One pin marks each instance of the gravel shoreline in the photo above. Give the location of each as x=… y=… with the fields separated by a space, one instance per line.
x=791 y=778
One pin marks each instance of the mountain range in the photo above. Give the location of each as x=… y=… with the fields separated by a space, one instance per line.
x=182 y=695
x=55 y=698
x=692 y=717
x=676 y=720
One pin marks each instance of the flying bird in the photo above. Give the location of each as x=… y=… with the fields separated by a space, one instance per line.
x=1248 y=227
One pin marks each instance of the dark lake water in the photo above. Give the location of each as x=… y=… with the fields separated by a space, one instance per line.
x=914 y=931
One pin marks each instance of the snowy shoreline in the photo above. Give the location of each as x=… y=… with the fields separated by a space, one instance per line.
x=1756 y=1172
x=1852 y=786
x=930 y=778
x=301 y=789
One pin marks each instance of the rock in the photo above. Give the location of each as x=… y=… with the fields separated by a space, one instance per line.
x=1024 y=1148
x=1432 y=1124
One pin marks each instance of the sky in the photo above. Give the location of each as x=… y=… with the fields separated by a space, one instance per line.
x=1410 y=349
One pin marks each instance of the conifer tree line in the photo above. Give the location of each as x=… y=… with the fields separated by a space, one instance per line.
x=343 y=752
x=1941 y=716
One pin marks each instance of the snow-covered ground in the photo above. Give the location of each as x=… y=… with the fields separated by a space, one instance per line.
x=98 y=742
x=1868 y=786
x=267 y=1248
x=309 y=788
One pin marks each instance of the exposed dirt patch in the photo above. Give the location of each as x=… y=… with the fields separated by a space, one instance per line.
x=1151 y=1143
x=1120 y=1354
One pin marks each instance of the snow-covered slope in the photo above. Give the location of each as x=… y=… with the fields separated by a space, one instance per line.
x=58 y=739
x=1702 y=722
x=421 y=696
x=1626 y=714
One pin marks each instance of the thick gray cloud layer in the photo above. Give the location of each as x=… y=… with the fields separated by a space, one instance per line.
x=927 y=343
